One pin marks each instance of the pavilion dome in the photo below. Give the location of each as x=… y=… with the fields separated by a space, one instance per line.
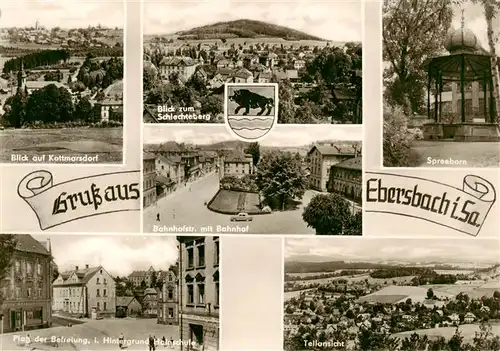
x=461 y=39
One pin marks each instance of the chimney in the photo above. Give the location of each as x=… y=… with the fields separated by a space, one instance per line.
x=87 y=266
x=76 y=268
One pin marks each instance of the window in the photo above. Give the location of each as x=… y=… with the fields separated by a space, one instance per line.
x=39 y=269
x=98 y=306
x=170 y=294
x=104 y=305
x=29 y=268
x=217 y=294
x=104 y=292
x=170 y=313
x=201 y=255
x=98 y=282
x=29 y=292
x=216 y=258
x=18 y=267
x=190 y=288
x=201 y=293
x=170 y=278
x=100 y=272
x=98 y=293
x=105 y=281
x=190 y=258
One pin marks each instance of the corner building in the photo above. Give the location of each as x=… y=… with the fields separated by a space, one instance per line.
x=199 y=292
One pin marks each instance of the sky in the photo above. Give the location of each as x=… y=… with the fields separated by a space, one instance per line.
x=474 y=20
x=336 y=20
x=280 y=136
x=118 y=254
x=402 y=250
x=62 y=13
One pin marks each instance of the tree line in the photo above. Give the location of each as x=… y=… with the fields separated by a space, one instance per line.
x=36 y=59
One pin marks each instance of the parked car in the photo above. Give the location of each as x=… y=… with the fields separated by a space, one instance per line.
x=241 y=217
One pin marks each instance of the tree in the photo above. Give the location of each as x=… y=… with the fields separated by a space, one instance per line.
x=496 y=294
x=143 y=285
x=456 y=341
x=412 y=32
x=154 y=280
x=50 y=104
x=354 y=225
x=254 y=150
x=8 y=244
x=83 y=109
x=430 y=293
x=329 y=214
x=485 y=339
x=280 y=178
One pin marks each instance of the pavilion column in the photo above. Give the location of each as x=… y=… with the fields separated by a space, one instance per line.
x=440 y=94
x=485 y=98
x=436 y=97
x=462 y=87
x=492 y=101
x=429 y=94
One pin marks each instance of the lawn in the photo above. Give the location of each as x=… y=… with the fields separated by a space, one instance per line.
x=468 y=332
x=107 y=143
x=477 y=154
x=233 y=202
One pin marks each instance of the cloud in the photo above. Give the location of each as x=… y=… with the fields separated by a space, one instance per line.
x=119 y=255
x=336 y=20
x=386 y=249
x=63 y=13
x=280 y=136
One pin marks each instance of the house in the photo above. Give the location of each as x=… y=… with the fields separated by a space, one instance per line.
x=87 y=291
x=138 y=277
x=345 y=179
x=171 y=168
x=263 y=77
x=321 y=158
x=149 y=303
x=184 y=67
x=454 y=318
x=168 y=300
x=26 y=289
x=237 y=164
x=111 y=110
x=148 y=179
x=243 y=76
x=199 y=290
x=469 y=318
x=127 y=306
x=298 y=64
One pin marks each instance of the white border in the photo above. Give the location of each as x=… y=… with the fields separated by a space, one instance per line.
x=260 y=85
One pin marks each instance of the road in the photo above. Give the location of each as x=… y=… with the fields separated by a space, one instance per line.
x=186 y=207
x=93 y=336
x=477 y=154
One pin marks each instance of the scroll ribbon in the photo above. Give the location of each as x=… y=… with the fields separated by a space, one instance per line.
x=462 y=209
x=79 y=198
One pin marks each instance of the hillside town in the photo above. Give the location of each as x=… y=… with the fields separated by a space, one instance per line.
x=186 y=72
x=354 y=306
x=227 y=182
x=38 y=300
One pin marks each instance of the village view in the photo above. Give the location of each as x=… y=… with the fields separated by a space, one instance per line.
x=319 y=79
x=203 y=180
x=353 y=295
x=61 y=89
x=46 y=303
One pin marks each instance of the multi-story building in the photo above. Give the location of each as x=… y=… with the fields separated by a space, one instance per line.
x=148 y=179
x=321 y=159
x=237 y=164
x=199 y=291
x=88 y=291
x=184 y=67
x=171 y=168
x=26 y=289
x=168 y=302
x=345 y=179
x=150 y=303
x=137 y=277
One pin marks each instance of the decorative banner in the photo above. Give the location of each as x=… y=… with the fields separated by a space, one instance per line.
x=463 y=210
x=79 y=198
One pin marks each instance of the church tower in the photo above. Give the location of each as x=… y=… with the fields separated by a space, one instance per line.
x=21 y=78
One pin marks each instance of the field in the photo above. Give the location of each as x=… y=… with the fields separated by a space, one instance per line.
x=291 y=294
x=105 y=142
x=392 y=293
x=468 y=332
x=227 y=202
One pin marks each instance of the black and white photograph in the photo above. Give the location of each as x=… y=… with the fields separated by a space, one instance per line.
x=67 y=292
x=391 y=294
x=441 y=84
x=61 y=82
x=202 y=179
x=311 y=50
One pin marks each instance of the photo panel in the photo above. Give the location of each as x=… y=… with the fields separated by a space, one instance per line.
x=109 y=292
x=311 y=51
x=61 y=82
x=204 y=179
x=391 y=293
x=441 y=85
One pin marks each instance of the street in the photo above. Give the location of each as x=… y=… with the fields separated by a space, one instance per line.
x=185 y=207
x=94 y=335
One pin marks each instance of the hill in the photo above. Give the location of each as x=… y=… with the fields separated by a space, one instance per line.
x=244 y=28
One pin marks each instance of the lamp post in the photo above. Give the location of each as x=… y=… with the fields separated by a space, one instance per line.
x=1 y=331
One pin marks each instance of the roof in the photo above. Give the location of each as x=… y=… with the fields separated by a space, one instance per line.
x=26 y=243
x=328 y=150
x=243 y=73
x=170 y=159
x=31 y=84
x=138 y=274
x=148 y=156
x=84 y=275
x=150 y=291
x=177 y=61
x=237 y=156
x=124 y=300
x=352 y=163
x=164 y=180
